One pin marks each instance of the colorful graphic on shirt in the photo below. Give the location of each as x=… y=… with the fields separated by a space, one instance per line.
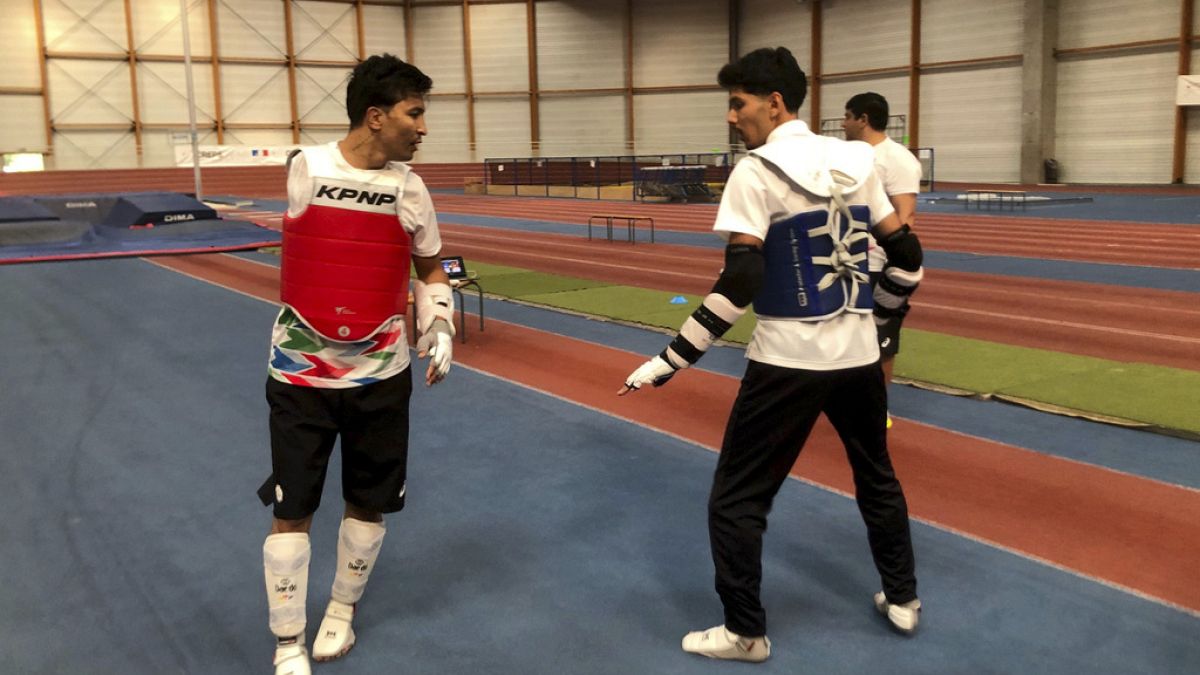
x=300 y=356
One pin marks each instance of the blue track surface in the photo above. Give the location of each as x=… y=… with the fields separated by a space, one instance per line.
x=1067 y=270
x=540 y=537
x=1143 y=208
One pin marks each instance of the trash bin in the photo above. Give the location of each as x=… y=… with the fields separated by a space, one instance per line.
x=1050 y=170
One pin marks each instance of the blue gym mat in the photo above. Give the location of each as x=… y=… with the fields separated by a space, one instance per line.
x=65 y=227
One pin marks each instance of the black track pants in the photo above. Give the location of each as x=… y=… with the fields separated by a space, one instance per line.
x=774 y=412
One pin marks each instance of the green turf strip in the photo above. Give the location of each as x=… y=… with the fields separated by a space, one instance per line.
x=1149 y=394
x=1153 y=395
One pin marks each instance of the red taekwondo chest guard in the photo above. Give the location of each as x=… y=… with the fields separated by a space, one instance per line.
x=346 y=259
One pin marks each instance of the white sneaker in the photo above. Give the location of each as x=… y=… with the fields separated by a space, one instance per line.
x=335 y=637
x=718 y=643
x=903 y=618
x=291 y=658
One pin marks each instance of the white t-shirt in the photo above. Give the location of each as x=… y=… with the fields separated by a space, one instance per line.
x=299 y=355
x=900 y=172
x=755 y=196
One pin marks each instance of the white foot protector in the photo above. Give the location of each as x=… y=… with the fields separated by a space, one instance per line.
x=718 y=643
x=904 y=618
x=291 y=658
x=335 y=636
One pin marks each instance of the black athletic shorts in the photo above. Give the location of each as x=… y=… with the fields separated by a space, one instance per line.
x=888 y=330
x=372 y=421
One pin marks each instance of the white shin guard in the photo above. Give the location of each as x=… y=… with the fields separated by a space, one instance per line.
x=285 y=567
x=358 y=547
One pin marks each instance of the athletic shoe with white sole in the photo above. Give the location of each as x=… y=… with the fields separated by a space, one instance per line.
x=718 y=643
x=291 y=658
x=335 y=637
x=903 y=618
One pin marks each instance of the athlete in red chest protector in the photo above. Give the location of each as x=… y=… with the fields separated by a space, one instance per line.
x=358 y=218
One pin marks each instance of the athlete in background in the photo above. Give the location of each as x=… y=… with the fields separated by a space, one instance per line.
x=899 y=171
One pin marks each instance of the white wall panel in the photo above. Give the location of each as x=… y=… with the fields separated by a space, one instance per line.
x=583 y=125
x=953 y=30
x=438 y=46
x=835 y=94
x=502 y=128
x=157 y=28
x=1191 y=168
x=18 y=34
x=67 y=30
x=778 y=23
x=255 y=94
x=447 y=141
x=324 y=31
x=21 y=120
x=159 y=150
x=679 y=42
x=256 y=137
x=972 y=120
x=162 y=93
x=21 y=125
x=680 y=122
x=84 y=92
x=1089 y=23
x=94 y=150
x=319 y=136
x=581 y=45
x=863 y=34
x=251 y=29
x=383 y=30
x=321 y=95
x=499 y=48
x=1115 y=119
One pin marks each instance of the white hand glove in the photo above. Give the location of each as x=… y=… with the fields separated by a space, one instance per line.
x=656 y=371
x=438 y=344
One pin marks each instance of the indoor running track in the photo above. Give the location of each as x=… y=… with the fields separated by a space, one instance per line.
x=545 y=532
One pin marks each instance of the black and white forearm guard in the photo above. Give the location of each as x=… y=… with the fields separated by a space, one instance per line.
x=902 y=273
x=722 y=307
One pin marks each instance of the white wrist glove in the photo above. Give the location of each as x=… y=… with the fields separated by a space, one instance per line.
x=438 y=344
x=656 y=371
x=432 y=302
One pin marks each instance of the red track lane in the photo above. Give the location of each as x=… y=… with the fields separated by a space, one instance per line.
x=1129 y=531
x=1111 y=322
x=1126 y=243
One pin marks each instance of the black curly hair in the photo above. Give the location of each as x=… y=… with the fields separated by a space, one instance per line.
x=874 y=106
x=765 y=70
x=382 y=81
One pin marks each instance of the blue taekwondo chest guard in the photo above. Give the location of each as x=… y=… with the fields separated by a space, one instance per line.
x=816 y=264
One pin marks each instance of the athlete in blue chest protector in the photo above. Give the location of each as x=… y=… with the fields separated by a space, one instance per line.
x=797 y=213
